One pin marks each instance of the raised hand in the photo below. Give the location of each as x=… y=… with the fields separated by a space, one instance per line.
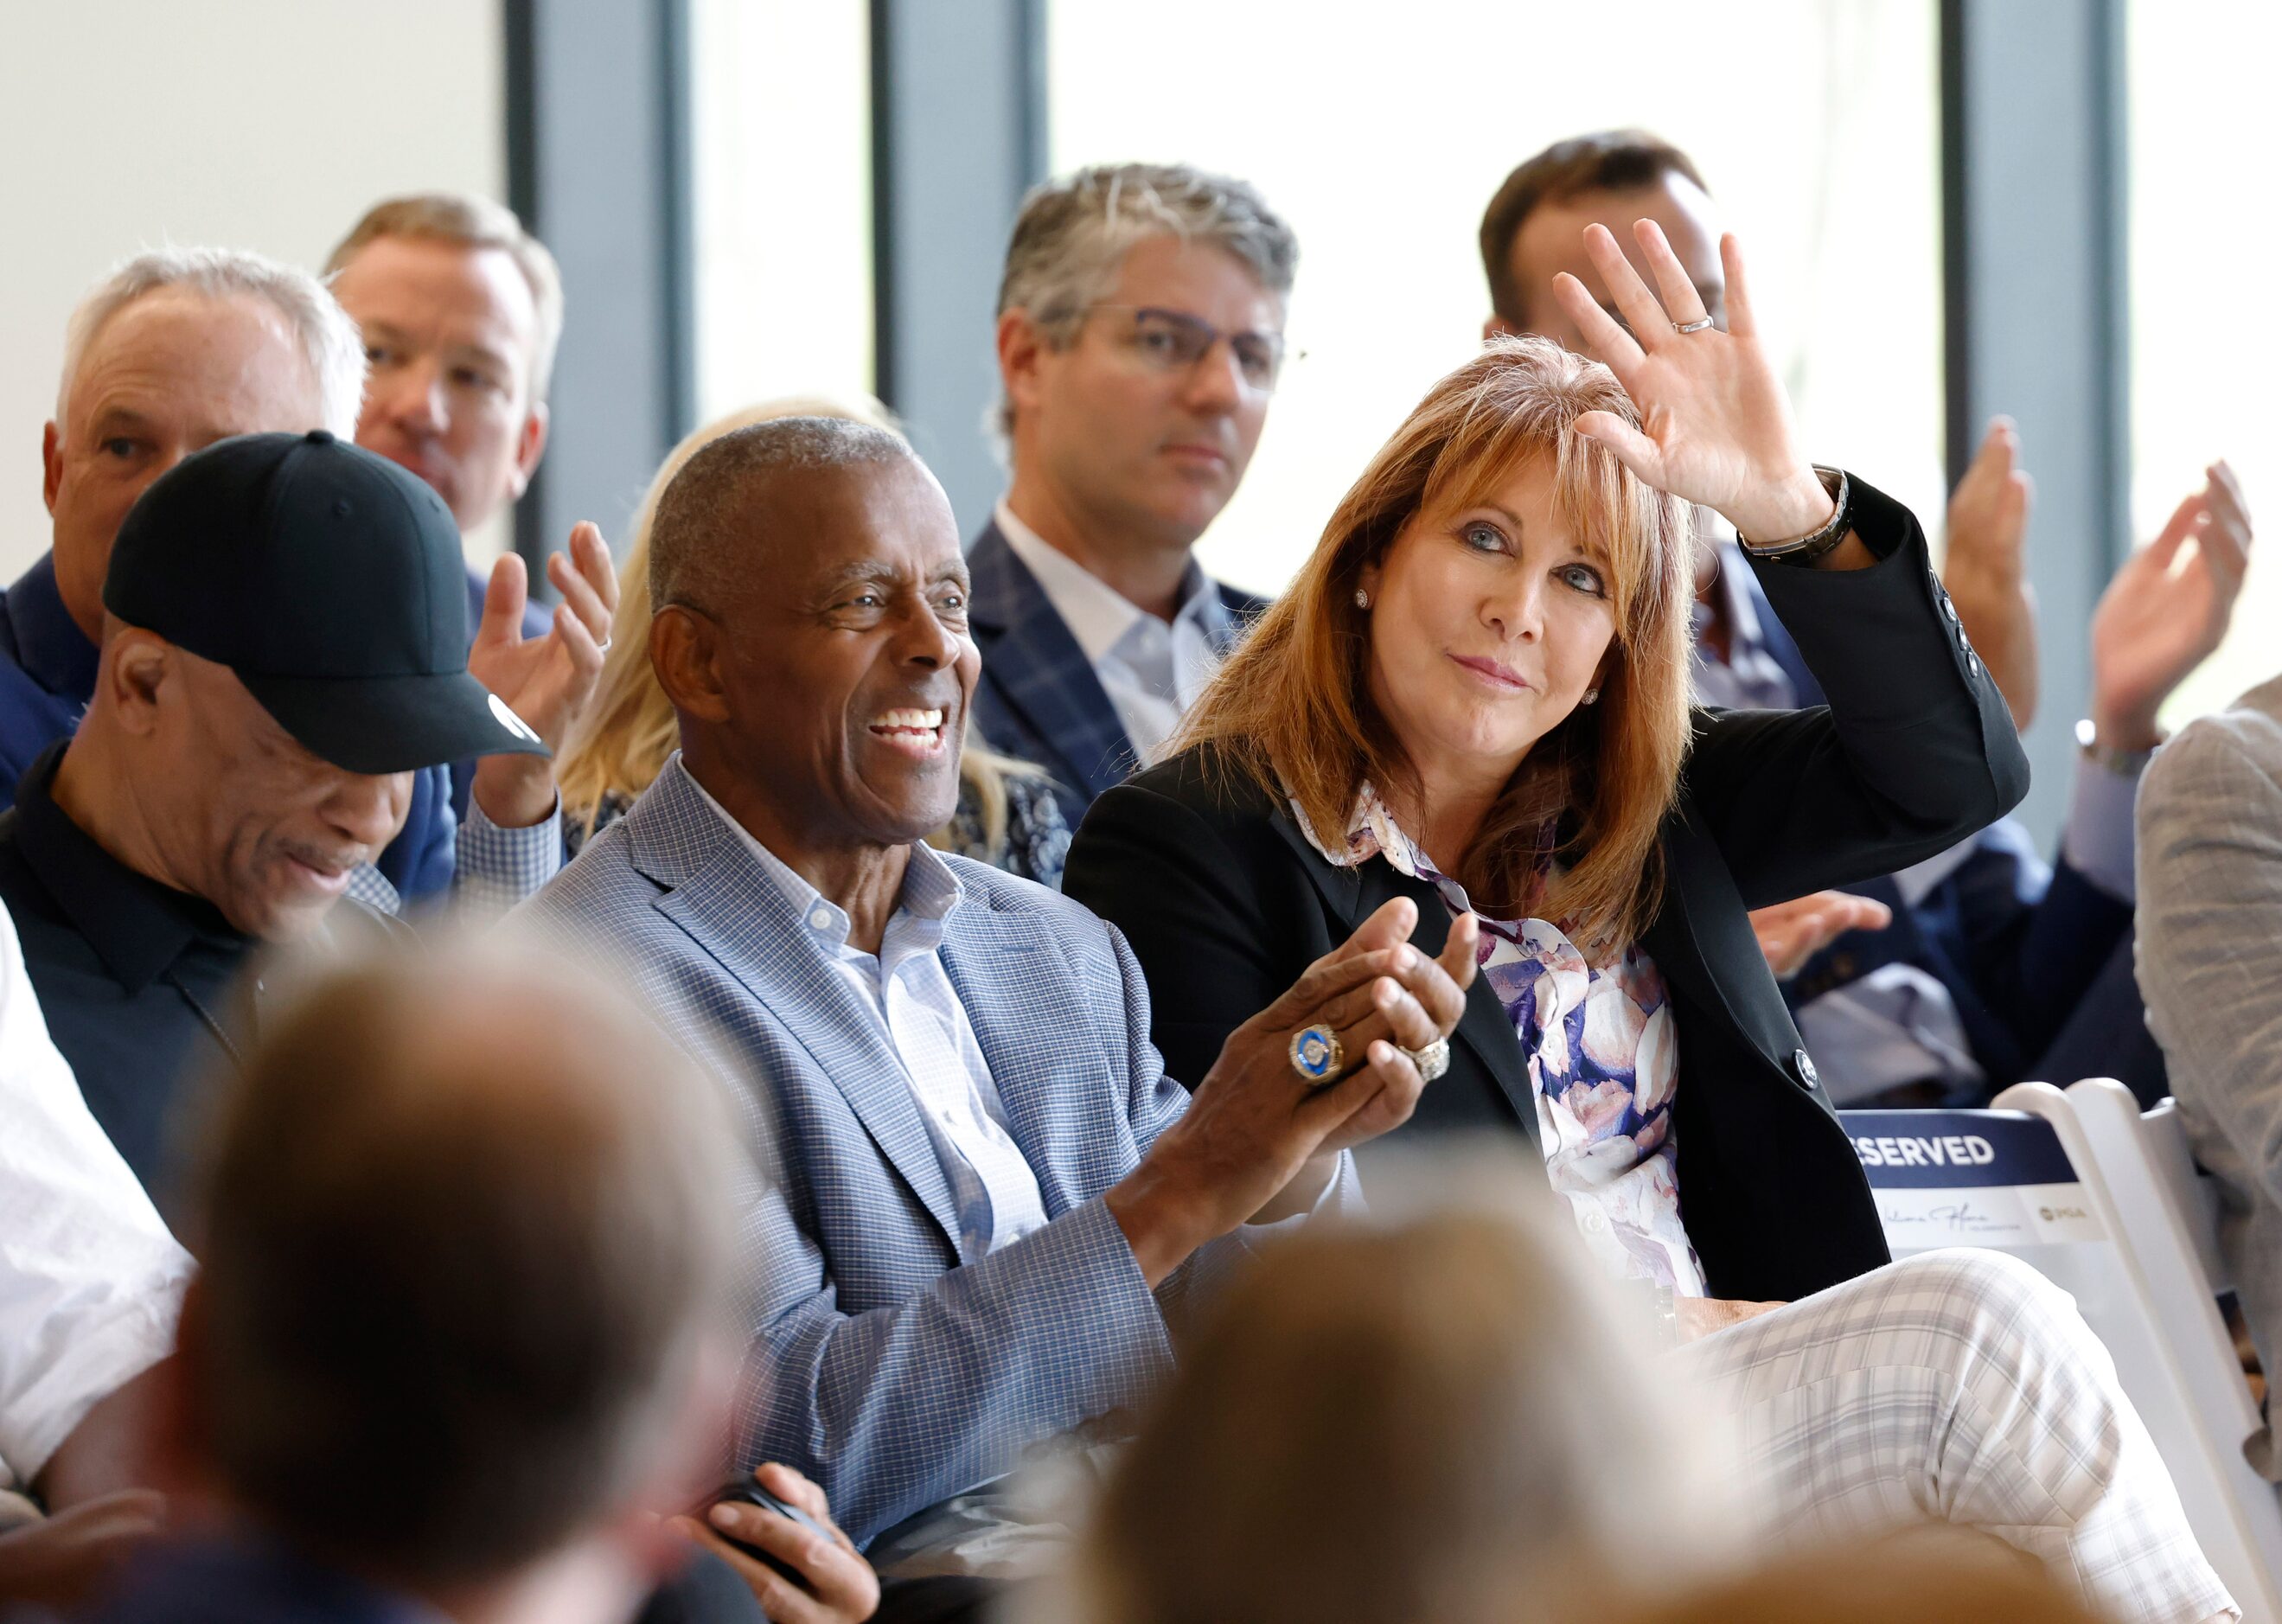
x=1715 y=425
x=2168 y=608
x=546 y=681
x=1257 y=1132
x=1986 y=570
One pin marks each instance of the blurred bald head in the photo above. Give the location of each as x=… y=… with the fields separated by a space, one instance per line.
x=727 y=516
x=465 y=1238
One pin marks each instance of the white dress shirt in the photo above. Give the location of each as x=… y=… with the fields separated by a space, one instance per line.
x=91 y=1281
x=1151 y=672
x=917 y=1011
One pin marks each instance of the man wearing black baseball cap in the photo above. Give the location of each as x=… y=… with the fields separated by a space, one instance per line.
x=286 y=644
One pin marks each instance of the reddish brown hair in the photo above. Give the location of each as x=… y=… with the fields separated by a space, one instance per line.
x=1291 y=708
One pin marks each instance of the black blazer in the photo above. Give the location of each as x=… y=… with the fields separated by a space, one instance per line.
x=1226 y=903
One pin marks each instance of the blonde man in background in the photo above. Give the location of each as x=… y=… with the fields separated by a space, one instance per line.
x=1007 y=816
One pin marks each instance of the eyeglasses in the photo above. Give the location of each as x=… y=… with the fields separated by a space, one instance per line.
x=1171 y=341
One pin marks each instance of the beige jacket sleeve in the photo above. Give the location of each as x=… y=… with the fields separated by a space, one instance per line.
x=2209 y=960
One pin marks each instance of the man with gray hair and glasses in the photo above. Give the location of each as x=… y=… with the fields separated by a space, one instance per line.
x=178 y=348
x=1140 y=335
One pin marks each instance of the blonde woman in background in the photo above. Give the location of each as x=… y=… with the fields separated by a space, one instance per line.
x=1006 y=817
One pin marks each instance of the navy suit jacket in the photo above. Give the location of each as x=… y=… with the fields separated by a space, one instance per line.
x=2029 y=954
x=1038 y=698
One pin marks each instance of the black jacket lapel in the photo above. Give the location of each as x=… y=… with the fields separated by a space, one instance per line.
x=1353 y=894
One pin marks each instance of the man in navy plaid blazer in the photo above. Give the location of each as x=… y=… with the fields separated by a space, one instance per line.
x=982 y=1202
x=1140 y=336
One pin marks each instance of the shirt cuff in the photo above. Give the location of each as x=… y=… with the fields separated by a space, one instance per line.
x=493 y=868
x=1341 y=1197
x=2096 y=840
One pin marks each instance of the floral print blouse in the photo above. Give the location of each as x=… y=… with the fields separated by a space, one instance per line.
x=1603 y=1063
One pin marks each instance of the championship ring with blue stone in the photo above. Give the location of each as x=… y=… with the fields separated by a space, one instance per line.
x=1316 y=1054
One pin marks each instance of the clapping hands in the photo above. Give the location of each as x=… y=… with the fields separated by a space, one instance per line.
x=1715 y=426
x=2168 y=608
x=546 y=681
x=1986 y=569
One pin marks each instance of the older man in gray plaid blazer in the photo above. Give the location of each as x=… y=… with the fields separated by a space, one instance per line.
x=982 y=1203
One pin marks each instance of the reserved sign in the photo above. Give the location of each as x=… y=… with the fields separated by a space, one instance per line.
x=1993 y=1178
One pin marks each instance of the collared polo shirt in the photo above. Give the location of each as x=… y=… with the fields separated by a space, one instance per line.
x=47 y=670
x=141 y=984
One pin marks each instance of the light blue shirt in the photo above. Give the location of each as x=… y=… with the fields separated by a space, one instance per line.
x=908 y=993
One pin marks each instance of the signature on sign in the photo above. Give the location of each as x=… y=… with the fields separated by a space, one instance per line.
x=1963 y=1218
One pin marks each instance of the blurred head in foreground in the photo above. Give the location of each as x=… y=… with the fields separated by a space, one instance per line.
x=465 y=1251
x=1441 y=1416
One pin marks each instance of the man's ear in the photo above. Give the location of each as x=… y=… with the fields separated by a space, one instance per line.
x=685 y=651
x=136 y=666
x=529 y=445
x=52 y=465
x=1022 y=345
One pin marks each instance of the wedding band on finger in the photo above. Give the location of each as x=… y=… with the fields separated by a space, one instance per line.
x=604 y=646
x=1432 y=1061
x=1691 y=327
x=1316 y=1054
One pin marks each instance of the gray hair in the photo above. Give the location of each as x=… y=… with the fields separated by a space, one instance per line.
x=472 y=221
x=1074 y=232
x=327 y=338
x=700 y=538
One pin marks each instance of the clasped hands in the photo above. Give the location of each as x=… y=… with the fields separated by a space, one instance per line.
x=546 y=681
x=1259 y=1142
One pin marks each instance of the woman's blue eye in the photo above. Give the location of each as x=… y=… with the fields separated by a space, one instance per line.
x=1584 y=578
x=1483 y=538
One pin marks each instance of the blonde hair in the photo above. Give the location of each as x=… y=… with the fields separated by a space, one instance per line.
x=1291 y=710
x=472 y=222
x=629 y=731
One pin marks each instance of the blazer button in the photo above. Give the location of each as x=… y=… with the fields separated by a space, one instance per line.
x=1805 y=1067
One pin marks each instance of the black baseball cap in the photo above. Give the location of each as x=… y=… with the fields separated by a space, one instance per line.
x=331 y=582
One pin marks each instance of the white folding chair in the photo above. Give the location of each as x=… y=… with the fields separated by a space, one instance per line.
x=2168 y=1221
x=2024 y=1178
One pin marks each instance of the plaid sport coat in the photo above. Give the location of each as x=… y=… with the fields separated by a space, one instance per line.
x=1039 y=698
x=878 y=1364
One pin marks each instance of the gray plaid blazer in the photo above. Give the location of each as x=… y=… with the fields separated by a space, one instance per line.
x=878 y=1365
x=2209 y=958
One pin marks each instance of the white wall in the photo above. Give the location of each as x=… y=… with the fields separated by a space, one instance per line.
x=266 y=124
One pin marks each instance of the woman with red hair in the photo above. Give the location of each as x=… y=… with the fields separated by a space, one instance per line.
x=1475 y=696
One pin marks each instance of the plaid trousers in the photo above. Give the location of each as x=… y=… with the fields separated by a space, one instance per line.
x=1961 y=1387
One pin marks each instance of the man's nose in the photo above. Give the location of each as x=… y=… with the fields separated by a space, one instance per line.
x=369 y=808
x=415 y=398
x=1214 y=385
x=924 y=641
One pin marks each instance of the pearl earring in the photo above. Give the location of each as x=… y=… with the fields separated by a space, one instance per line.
x=1592 y=694
x=1363 y=598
